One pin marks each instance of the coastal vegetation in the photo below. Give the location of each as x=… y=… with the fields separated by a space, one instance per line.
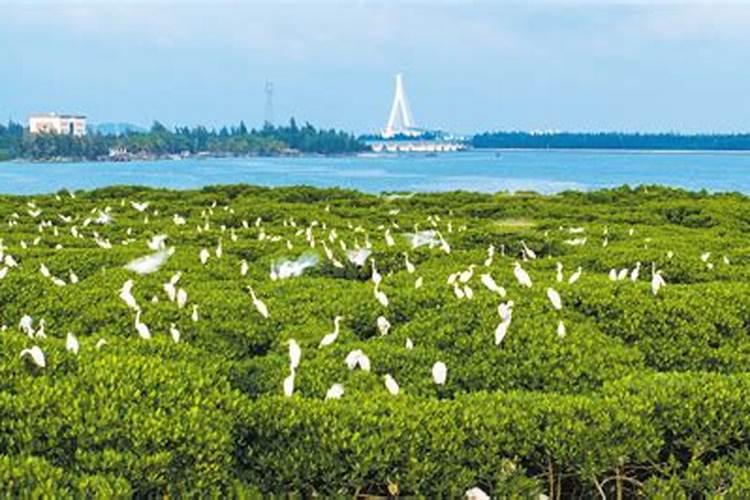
x=16 y=142
x=612 y=140
x=240 y=340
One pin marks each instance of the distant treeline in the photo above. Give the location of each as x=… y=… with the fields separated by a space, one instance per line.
x=611 y=140
x=17 y=142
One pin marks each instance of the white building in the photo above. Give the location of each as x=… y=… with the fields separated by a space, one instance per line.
x=52 y=123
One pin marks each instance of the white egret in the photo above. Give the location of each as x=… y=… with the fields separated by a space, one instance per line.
x=561 y=329
x=127 y=296
x=439 y=373
x=3 y=272
x=259 y=304
x=376 y=276
x=528 y=251
x=243 y=268
x=335 y=392
x=73 y=277
x=174 y=332
x=71 y=343
x=182 y=298
x=330 y=338
x=381 y=297
x=383 y=325
x=157 y=242
x=575 y=276
x=521 y=275
x=295 y=354
x=27 y=325
x=357 y=358
x=37 y=356
x=409 y=344
x=505 y=310
x=657 y=281
x=140 y=207
x=622 y=274
x=490 y=284
x=476 y=493
x=100 y=343
x=391 y=385
x=45 y=272
x=559 y=275
x=203 y=255
x=501 y=330
x=289 y=385
x=554 y=298
x=410 y=268
x=635 y=272
x=194 y=314
x=358 y=257
x=141 y=328
x=418 y=283
x=150 y=263
x=613 y=275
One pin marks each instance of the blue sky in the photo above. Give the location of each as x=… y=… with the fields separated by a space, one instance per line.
x=468 y=66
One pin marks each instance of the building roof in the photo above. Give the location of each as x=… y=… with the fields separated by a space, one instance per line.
x=55 y=115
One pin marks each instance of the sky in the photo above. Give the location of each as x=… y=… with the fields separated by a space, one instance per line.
x=468 y=65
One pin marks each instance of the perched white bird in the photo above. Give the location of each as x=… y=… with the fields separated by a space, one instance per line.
x=381 y=297
x=391 y=385
x=476 y=493
x=141 y=328
x=203 y=255
x=505 y=310
x=330 y=338
x=26 y=325
x=383 y=325
x=150 y=263
x=174 y=332
x=490 y=284
x=635 y=272
x=73 y=278
x=561 y=329
x=289 y=385
x=182 y=298
x=559 y=275
x=335 y=392
x=657 y=281
x=418 y=283
x=521 y=275
x=528 y=251
x=295 y=354
x=410 y=268
x=409 y=344
x=127 y=296
x=194 y=314
x=259 y=304
x=613 y=275
x=439 y=373
x=37 y=356
x=3 y=272
x=575 y=276
x=100 y=343
x=157 y=242
x=357 y=358
x=244 y=268
x=45 y=272
x=71 y=343
x=376 y=276
x=554 y=298
x=501 y=331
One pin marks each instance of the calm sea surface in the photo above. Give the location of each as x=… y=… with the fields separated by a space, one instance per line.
x=487 y=171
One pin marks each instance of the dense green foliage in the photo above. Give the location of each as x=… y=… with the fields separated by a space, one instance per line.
x=15 y=143
x=611 y=140
x=644 y=395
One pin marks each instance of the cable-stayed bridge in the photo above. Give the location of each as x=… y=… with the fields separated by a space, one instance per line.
x=401 y=133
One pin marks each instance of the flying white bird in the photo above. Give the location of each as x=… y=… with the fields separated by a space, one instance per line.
x=335 y=392
x=295 y=354
x=259 y=304
x=439 y=373
x=358 y=257
x=554 y=298
x=284 y=269
x=150 y=263
x=140 y=207
x=391 y=385
x=37 y=356
x=330 y=338
x=71 y=343
x=521 y=275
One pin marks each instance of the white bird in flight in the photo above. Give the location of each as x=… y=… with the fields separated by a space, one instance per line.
x=150 y=263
